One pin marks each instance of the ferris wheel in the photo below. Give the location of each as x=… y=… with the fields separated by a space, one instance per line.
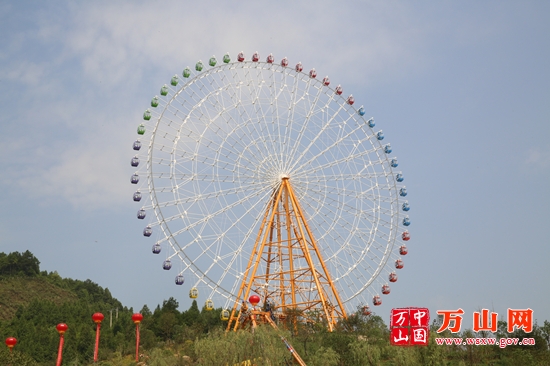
x=262 y=178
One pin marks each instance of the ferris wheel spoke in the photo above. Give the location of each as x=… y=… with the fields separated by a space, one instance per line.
x=202 y=220
x=335 y=144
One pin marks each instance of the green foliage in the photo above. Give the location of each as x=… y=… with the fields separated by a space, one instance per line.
x=19 y=264
x=32 y=303
x=235 y=347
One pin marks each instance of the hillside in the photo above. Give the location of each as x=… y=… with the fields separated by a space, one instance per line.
x=20 y=291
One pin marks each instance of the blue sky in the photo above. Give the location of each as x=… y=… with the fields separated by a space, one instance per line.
x=461 y=90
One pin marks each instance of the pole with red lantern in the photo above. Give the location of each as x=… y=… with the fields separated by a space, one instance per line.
x=61 y=329
x=11 y=342
x=97 y=318
x=137 y=318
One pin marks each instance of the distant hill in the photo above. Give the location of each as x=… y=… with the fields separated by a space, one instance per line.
x=21 y=283
x=20 y=291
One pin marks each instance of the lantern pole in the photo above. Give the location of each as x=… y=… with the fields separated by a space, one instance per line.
x=97 y=318
x=61 y=329
x=137 y=318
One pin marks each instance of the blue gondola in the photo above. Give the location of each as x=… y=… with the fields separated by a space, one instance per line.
x=371 y=123
x=406 y=221
x=403 y=192
x=380 y=135
x=406 y=206
x=394 y=163
x=387 y=149
x=399 y=177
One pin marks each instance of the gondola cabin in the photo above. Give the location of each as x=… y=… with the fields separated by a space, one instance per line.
x=209 y=305
x=141 y=129
x=361 y=111
x=166 y=265
x=212 y=62
x=386 y=289
x=406 y=221
x=174 y=81
x=179 y=280
x=255 y=56
x=380 y=135
x=156 y=248
x=392 y=277
x=403 y=192
x=406 y=236
x=339 y=90
x=135 y=161
x=147 y=231
x=388 y=150
x=405 y=206
x=164 y=90
x=403 y=250
x=399 y=177
x=224 y=316
x=155 y=102
x=134 y=179
x=299 y=67
x=141 y=214
x=194 y=293
x=240 y=57
x=371 y=122
x=147 y=114
x=312 y=73
x=199 y=66
x=399 y=264
x=326 y=81
x=137 y=145
x=284 y=62
x=137 y=196
x=350 y=100
x=365 y=310
x=226 y=58
x=376 y=300
x=186 y=72
x=270 y=59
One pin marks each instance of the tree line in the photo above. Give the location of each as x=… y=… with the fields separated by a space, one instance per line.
x=170 y=336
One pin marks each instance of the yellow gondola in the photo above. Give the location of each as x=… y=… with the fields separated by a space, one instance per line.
x=209 y=305
x=224 y=315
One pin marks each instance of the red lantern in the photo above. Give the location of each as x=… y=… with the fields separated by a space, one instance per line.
x=254 y=300
x=11 y=342
x=97 y=318
x=62 y=328
x=137 y=318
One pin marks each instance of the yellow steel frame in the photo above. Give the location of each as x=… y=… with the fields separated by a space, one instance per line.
x=286 y=249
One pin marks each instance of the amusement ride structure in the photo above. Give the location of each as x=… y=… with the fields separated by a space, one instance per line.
x=270 y=192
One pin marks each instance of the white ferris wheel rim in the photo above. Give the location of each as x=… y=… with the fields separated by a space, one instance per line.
x=219 y=144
